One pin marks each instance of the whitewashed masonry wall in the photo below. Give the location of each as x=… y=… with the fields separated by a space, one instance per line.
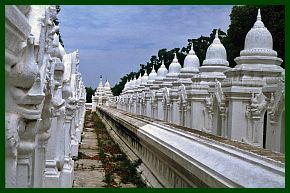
x=44 y=100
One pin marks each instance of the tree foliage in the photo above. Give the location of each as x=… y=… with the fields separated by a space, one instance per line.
x=89 y=95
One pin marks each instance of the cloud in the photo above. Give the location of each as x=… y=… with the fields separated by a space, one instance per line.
x=114 y=40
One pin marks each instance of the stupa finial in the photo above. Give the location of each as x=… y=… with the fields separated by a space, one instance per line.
x=259 y=18
x=145 y=73
x=191 y=51
x=259 y=23
x=217 y=33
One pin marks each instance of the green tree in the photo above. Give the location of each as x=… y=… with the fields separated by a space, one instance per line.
x=89 y=95
x=243 y=19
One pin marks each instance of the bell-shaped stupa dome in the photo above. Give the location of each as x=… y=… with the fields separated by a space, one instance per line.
x=162 y=71
x=174 y=67
x=259 y=41
x=191 y=60
x=216 y=54
x=133 y=83
x=107 y=89
x=153 y=74
x=144 y=78
x=138 y=81
x=129 y=84
x=126 y=85
x=107 y=84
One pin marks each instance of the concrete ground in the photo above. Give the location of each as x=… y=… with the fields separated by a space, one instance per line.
x=89 y=171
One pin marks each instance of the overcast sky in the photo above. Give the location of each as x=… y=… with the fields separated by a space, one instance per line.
x=114 y=40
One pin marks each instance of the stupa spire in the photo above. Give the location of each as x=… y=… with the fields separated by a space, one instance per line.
x=191 y=60
x=162 y=71
x=145 y=73
x=191 y=51
x=217 y=33
x=259 y=23
x=101 y=81
x=216 y=39
x=259 y=18
x=162 y=64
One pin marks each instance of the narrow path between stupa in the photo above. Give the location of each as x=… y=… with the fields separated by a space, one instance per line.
x=100 y=161
x=88 y=169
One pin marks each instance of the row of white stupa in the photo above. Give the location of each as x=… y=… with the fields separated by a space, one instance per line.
x=244 y=103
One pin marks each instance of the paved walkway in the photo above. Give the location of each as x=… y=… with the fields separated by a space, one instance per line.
x=89 y=171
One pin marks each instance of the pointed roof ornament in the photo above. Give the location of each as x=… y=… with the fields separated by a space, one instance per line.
x=174 y=67
x=175 y=60
x=217 y=33
x=162 y=64
x=101 y=82
x=162 y=71
x=153 y=74
x=107 y=84
x=259 y=18
x=191 y=51
x=259 y=23
x=191 y=60
x=144 y=78
x=216 y=39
